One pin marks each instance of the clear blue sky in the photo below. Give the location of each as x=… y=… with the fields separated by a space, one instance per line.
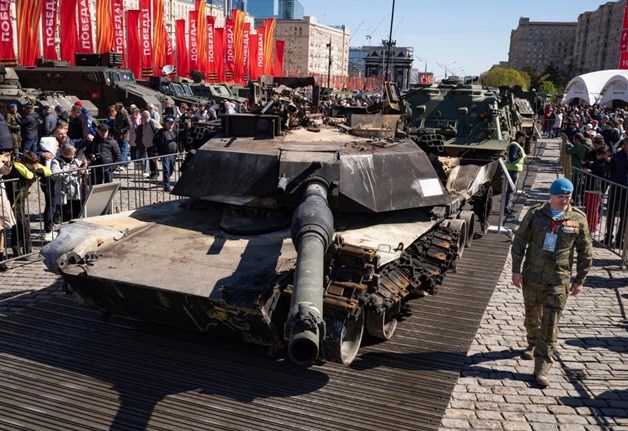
x=475 y=34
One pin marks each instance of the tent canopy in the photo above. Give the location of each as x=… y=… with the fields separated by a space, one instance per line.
x=615 y=88
x=589 y=86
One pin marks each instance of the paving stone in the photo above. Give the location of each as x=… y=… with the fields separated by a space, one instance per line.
x=516 y=426
x=571 y=419
x=455 y=424
x=485 y=424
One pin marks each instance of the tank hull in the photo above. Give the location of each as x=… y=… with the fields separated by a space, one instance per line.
x=172 y=265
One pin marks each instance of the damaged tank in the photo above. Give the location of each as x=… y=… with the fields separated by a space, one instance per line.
x=11 y=91
x=291 y=234
x=463 y=119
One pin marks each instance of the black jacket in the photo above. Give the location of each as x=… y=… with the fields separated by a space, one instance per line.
x=30 y=127
x=6 y=143
x=102 y=151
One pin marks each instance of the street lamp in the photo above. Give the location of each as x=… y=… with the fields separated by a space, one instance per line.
x=423 y=60
x=446 y=67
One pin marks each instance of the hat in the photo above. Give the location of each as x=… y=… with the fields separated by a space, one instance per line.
x=13 y=105
x=561 y=186
x=28 y=106
x=78 y=103
x=589 y=126
x=103 y=127
x=168 y=120
x=59 y=108
x=521 y=133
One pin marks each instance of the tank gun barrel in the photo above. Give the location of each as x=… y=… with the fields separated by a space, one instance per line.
x=312 y=230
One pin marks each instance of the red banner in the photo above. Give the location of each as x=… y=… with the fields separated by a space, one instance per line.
x=219 y=52
x=182 y=49
x=146 y=44
x=193 y=41
x=7 y=52
x=169 y=47
x=201 y=35
x=104 y=25
x=623 y=42
x=211 y=60
x=117 y=17
x=245 y=50
x=49 y=28
x=279 y=49
x=229 y=49
x=259 y=62
x=28 y=16
x=69 y=36
x=253 y=57
x=133 y=37
x=269 y=34
x=85 y=36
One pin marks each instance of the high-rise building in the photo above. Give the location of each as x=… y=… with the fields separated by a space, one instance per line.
x=290 y=9
x=539 y=44
x=261 y=9
x=597 y=38
x=398 y=67
x=310 y=47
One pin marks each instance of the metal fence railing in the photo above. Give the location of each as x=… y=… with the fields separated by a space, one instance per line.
x=45 y=204
x=606 y=206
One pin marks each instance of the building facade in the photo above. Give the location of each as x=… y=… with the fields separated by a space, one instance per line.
x=357 y=59
x=261 y=9
x=307 y=48
x=290 y=9
x=598 y=37
x=539 y=44
x=399 y=66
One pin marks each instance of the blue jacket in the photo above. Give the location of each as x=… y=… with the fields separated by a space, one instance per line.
x=619 y=168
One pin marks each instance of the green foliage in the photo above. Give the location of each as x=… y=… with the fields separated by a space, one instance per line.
x=547 y=87
x=197 y=76
x=503 y=76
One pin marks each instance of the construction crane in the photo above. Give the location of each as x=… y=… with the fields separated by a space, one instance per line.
x=356 y=31
x=369 y=36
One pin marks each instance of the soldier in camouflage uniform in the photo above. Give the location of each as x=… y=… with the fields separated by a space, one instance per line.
x=13 y=122
x=547 y=237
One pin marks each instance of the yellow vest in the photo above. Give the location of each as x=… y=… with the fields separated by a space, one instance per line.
x=516 y=165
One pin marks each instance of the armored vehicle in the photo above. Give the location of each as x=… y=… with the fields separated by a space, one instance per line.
x=460 y=119
x=216 y=92
x=299 y=238
x=11 y=91
x=103 y=85
x=180 y=92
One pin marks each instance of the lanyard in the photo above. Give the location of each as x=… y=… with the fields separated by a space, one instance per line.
x=555 y=224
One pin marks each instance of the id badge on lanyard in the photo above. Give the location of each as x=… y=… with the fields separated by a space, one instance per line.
x=549 y=244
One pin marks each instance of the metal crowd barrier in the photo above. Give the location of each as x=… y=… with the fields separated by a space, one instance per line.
x=41 y=205
x=606 y=206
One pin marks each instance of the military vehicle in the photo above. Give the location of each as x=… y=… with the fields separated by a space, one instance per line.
x=11 y=91
x=102 y=84
x=461 y=119
x=216 y=92
x=180 y=92
x=299 y=238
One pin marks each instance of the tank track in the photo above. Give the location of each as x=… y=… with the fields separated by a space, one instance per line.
x=353 y=280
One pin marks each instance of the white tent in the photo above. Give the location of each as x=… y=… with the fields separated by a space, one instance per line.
x=588 y=86
x=615 y=88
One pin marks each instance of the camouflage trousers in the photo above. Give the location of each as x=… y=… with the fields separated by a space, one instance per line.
x=543 y=308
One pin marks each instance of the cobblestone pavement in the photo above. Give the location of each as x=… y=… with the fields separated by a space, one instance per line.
x=589 y=380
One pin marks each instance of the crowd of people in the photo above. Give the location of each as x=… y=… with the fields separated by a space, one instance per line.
x=597 y=144
x=69 y=151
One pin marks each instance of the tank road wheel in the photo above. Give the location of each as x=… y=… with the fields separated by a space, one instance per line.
x=460 y=226
x=483 y=207
x=378 y=326
x=469 y=218
x=343 y=338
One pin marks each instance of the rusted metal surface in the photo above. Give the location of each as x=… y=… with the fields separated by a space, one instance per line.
x=62 y=368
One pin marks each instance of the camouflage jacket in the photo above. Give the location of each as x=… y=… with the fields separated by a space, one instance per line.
x=13 y=122
x=552 y=267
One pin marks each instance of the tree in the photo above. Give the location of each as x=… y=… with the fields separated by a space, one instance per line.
x=547 y=87
x=503 y=76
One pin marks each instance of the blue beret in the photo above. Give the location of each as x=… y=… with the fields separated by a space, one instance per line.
x=561 y=186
